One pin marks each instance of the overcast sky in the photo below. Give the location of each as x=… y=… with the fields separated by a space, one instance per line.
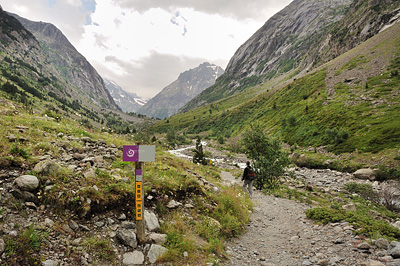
x=143 y=45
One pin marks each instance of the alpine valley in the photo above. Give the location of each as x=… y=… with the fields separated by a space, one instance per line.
x=319 y=81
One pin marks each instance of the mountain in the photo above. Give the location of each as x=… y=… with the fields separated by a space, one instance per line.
x=297 y=39
x=128 y=102
x=188 y=85
x=51 y=64
x=350 y=104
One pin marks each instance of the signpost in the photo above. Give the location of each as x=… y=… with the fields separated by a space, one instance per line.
x=139 y=154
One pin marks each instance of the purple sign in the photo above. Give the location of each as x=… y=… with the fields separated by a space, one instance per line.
x=130 y=153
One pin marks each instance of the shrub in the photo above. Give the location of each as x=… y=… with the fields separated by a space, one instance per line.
x=364 y=190
x=269 y=160
x=325 y=215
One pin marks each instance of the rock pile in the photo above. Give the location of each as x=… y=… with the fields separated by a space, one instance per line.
x=68 y=236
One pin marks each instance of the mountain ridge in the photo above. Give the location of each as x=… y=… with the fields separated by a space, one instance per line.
x=69 y=63
x=283 y=47
x=188 y=85
x=129 y=102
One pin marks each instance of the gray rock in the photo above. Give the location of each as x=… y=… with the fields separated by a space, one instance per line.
x=394 y=249
x=173 y=204
x=133 y=258
x=91 y=173
x=50 y=263
x=127 y=237
x=2 y=246
x=363 y=246
x=382 y=243
x=151 y=221
x=27 y=182
x=128 y=225
x=73 y=225
x=393 y=263
x=48 y=222
x=24 y=195
x=365 y=173
x=46 y=167
x=155 y=252
x=158 y=238
x=78 y=156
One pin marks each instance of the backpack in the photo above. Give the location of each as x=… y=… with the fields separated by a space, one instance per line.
x=252 y=175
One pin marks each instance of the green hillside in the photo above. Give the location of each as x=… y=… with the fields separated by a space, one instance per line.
x=349 y=104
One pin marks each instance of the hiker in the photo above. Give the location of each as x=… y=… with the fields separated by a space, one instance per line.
x=248 y=178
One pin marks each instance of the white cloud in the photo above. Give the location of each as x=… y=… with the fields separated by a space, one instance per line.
x=145 y=45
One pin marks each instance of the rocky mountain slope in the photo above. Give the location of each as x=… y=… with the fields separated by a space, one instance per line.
x=188 y=85
x=78 y=74
x=129 y=102
x=299 y=38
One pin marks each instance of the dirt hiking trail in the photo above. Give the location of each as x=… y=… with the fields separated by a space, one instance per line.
x=279 y=233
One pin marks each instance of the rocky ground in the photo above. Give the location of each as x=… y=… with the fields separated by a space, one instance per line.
x=279 y=232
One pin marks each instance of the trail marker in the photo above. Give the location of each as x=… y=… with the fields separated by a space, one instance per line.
x=139 y=154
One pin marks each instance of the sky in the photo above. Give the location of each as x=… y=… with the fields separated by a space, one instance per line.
x=143 y=45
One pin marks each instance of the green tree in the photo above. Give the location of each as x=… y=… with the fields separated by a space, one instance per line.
x=171 y=137
x=268 y=158
x=198 y=153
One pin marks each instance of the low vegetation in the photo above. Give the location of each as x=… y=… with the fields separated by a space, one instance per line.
x=217 y=214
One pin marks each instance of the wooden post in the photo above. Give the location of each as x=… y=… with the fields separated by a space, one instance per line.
x=140 y=226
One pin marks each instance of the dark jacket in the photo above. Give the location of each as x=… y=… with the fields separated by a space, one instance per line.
x=246 y=173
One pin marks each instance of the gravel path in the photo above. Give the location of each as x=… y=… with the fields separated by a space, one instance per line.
x=280 y=234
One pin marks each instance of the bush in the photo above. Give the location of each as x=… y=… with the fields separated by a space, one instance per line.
x=325 y=215
x=364 y=190
x=268 y=158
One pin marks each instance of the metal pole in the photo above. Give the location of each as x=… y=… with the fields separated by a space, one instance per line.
x=140 y=227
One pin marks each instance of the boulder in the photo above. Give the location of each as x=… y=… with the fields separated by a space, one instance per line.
x=158 y=238
x=382 y=243
x=365 y=173
x=27 y=182
x=155 y=252
x=127 y=237
x=394 y=249
x=46 y=167
x=133 y=258
x=151 y=221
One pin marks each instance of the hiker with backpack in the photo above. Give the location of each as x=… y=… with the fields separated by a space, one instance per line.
x=248 y=178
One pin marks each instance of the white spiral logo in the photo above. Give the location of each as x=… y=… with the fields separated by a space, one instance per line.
x=130 y=153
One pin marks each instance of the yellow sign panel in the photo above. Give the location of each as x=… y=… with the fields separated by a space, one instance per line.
x=139 y=201
x=139 y=191
x=139 y=210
